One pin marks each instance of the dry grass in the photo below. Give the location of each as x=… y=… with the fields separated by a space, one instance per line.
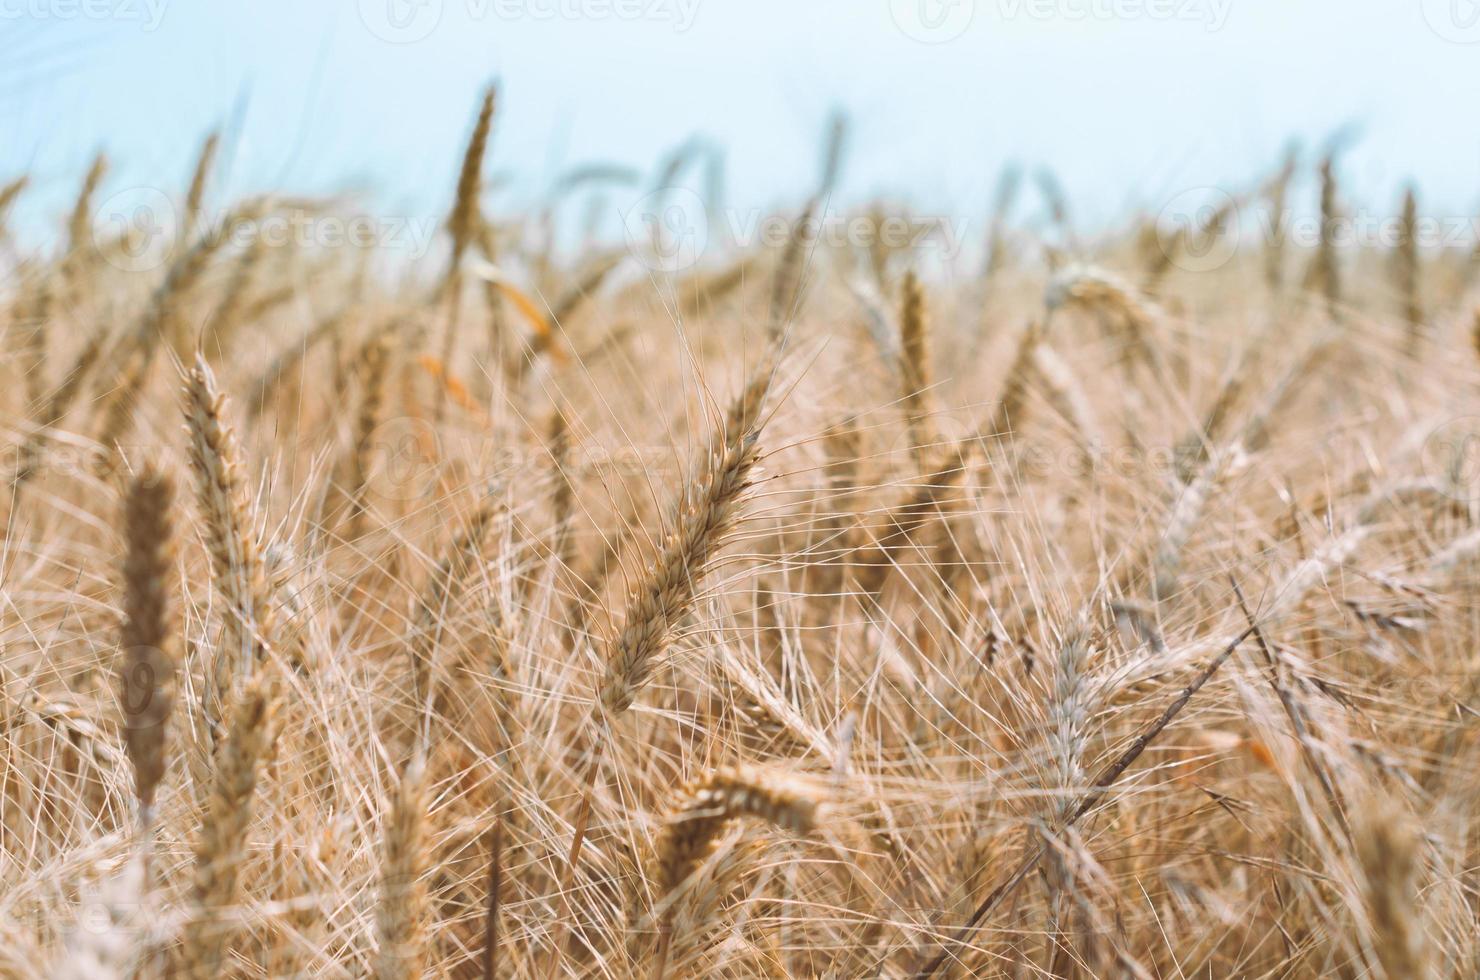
x=1015 y=624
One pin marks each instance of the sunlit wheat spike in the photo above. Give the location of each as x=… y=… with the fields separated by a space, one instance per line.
x=230 y=531
x=1069 y=713
x=1096 y=290
x=465 y=218
x=1186 y=512
x=706 y=510
x=704 y=807
x=463 y=225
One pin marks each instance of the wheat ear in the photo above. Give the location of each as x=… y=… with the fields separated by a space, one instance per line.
x=374 y=361
x=221 y=847
x=914 y=363
x=402 y=912
x=1406 y=270
x=563 y=499
x=196 y=194
x=108 y=947
x=79 y=223
x=1324 y=271
x=161 y=322
x=147 y=638
x=464 y=221
x=230 y=528
x=8 y=193
x=1387 y=850
x=700 y=815
x=707 y=509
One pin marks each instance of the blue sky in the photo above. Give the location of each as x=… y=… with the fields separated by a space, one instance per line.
x=1130 y=101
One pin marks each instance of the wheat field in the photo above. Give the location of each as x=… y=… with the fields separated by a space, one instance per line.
x=818 y=610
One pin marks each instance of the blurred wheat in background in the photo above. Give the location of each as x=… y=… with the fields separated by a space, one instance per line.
x=819 y=608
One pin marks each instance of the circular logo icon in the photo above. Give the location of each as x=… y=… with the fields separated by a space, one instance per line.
x=132 y=229
x=148 y=692
x=932 y=21
x=401 y=21
x=405 y=459
x=668 y=229
x=1451 y=458
x=1198 y=230
x=1453 y=20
